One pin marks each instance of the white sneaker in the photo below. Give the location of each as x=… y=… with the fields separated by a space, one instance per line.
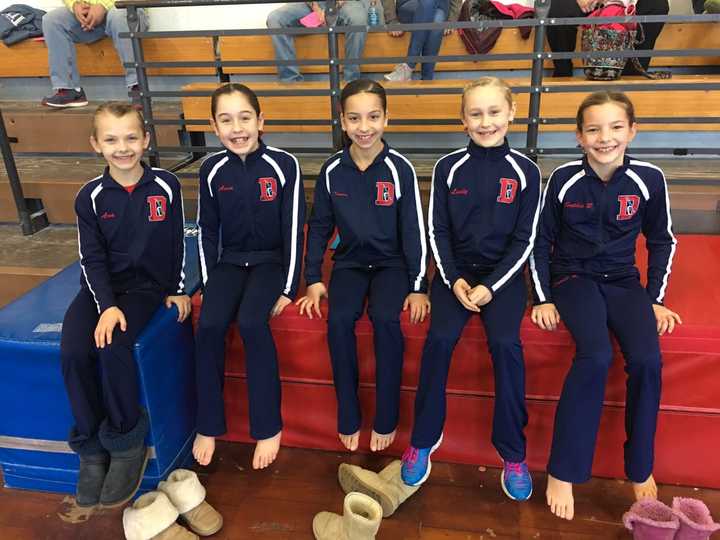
x=401 y=73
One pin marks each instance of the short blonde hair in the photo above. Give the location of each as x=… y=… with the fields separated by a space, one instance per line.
x=482 y=82
x=118 y=109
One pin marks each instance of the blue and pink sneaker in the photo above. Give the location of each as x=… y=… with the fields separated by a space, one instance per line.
x=416 y=464
x=516 y=481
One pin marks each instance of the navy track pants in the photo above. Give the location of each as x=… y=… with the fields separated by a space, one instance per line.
x=588 y=307
x=386 y=290
x=246 y=295
x=501 y=319
x=103 y=383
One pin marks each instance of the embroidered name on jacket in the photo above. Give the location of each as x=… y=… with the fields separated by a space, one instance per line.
x=587 y=205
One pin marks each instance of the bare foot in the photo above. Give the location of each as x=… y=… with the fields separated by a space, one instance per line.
x=350 y=441
x=559 y=496
x=203 y=449
x=266 y=451
x=380 y=441
x=646 y=489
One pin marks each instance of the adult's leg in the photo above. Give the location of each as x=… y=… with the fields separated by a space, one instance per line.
x=447 y=321
x=116 y=23
x=650 y=30
x=61 y=30
x=432 y=45
x=355 y=13
x=221 y=298
x=388 y=289
x=287 y=16
x=346 y=297
x=501 y=319
x=632 y=320
x=563 y=38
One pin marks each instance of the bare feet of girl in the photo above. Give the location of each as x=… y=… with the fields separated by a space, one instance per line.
x=203 y=449
x=559 y=496
x=350 y=441
x=266 y=451
x=380 y=441
x=646 y=489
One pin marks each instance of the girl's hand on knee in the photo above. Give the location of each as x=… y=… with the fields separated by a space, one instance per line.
x=546 y=316
x=183 y=304
x=448 y=31
x=110 y=318
x=419 y=305
x=280 y=305
x=311 y=301
x=480 y=295
x=396 y=33
x=666 y=319
x=461 y=288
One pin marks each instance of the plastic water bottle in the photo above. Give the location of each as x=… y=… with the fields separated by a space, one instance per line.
x=373 y=17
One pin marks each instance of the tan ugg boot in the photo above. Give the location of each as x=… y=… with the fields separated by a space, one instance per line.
x=387 y=487
x=185 y=491
x=360 y=520
x=152 y=517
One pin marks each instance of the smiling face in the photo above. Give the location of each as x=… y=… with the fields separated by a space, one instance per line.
x=486 y=115
x=236 y=124
x=364 y=121
x=605 y=134
x=121 y=141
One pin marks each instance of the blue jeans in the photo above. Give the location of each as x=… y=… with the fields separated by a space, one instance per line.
x=62 y=30
x=423 y=42
x=352 y=13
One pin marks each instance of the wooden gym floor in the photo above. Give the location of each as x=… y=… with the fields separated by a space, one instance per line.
x=458 y=502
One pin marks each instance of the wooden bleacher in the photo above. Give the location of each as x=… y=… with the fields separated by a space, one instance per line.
x=690 y=102
x=56 y=180
x=29 y=58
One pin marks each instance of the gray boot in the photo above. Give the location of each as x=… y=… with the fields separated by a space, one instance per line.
x=387 y=487
x=94 y=463
x=128 y=458
x=360 y=520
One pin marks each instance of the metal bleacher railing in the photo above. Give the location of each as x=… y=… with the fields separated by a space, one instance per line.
x=535 y=88
x=196 y=146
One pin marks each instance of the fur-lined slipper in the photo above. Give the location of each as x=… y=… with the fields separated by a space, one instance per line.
x=184 y=489
x=153 y=517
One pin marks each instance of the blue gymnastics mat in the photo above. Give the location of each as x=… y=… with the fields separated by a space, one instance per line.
x=33 y=429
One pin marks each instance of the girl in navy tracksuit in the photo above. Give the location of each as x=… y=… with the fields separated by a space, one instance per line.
x=484 y=209
x=583 y=271
x=251 y=213
x=130 y=235
x=370 y=193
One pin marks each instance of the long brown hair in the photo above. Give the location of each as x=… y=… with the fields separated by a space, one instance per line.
x=601 y=98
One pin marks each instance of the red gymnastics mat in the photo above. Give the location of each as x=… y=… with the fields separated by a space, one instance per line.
x=689 y=424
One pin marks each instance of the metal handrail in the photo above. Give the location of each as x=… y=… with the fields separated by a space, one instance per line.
x=538 y=56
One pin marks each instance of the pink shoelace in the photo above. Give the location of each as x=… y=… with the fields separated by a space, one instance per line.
x=410 y=456
x=517 y=468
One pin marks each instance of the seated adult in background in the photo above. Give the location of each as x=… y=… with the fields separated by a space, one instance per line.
x=83 y=21
x=350 y=13
x=422 y=42
x=564 y=38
